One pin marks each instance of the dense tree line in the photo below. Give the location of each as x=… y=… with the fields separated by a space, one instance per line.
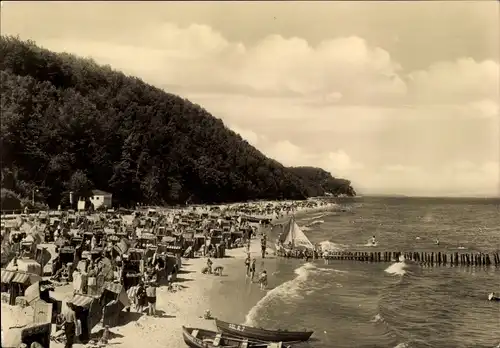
x=69 y=124
x=323 y=181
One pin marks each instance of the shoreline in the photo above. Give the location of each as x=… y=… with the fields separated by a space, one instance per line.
x=183 y=307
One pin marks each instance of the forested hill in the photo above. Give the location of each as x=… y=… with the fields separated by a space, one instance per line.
x=70 y=124
x=312 y=176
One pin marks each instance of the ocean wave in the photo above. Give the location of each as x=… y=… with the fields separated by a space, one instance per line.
x=289 y=289
x=328 y=245
x=316 y=216
x=314 y=223
x=402 y=345
x=397 y=268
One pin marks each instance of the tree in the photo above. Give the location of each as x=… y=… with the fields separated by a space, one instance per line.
x=80 y=185
x=10 y=200
x=69 y=124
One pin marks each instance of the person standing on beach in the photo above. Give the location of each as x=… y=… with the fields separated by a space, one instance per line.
x=247 y=265
x=209 y=266
x=151 y=298
x=69 y=322
x=263 y=244
x=252 y=268
x=263 y=280
x=141 y=297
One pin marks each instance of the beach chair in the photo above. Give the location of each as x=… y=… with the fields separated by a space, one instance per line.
x=217 y=340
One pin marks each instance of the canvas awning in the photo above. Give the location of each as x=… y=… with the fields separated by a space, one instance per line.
x=173 y=247
x=188 y=235
x=113 y=238
x=20 y=278
x=119 y=291
x=113 y=287
x=81 y=300
x=7 y=276
x=147 y=236
x=136 y=251
x=66 y=250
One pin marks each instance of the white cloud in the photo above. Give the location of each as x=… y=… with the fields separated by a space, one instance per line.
x=338 y=162
x=342 y=66
x=343 y=104
x=458 y=81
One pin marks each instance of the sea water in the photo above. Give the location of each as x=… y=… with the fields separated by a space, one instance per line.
x=356 y=304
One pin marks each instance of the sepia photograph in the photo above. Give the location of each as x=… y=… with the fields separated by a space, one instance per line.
x=250 y=174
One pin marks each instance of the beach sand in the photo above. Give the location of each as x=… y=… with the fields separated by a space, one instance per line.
x=175 y=309
x=184 y=307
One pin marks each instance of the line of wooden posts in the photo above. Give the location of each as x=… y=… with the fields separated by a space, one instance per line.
x=425 y=258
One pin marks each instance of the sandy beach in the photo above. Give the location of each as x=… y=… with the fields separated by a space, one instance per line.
x=185 y=306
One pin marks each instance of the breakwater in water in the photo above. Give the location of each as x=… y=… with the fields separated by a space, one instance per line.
x=386 y=304
x=424 y=258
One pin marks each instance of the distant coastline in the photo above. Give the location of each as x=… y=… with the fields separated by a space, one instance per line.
x=381 y=195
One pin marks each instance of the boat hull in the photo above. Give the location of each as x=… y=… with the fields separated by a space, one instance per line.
x=254 y=333
x=191 y=341
x=206 y=338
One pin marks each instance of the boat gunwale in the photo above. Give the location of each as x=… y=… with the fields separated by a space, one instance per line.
x=226 y=326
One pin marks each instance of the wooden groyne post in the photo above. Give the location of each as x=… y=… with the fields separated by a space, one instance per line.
x=424 y=258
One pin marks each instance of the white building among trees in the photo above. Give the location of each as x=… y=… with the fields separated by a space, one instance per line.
x=101 y=198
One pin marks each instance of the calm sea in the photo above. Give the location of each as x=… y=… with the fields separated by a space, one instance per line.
x=351 y=304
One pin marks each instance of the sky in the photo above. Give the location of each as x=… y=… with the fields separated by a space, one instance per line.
x=398 y=97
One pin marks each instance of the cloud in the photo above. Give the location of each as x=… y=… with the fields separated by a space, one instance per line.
x=342 y=104
x=345 y=69
x=346 y=66
x=338 y=162
x=462 y=80
x=456 y=178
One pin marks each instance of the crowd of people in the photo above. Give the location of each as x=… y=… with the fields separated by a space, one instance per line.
x=140 y=251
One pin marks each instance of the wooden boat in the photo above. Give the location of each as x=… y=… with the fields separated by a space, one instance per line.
x=259 y=334
x=199 y=338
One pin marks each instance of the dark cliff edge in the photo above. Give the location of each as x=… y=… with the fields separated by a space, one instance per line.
x=69 y=124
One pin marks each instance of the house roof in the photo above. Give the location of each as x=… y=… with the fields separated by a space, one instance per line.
x=100 y=193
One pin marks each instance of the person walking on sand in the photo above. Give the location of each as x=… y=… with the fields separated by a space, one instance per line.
x=69 y=322
x=209 y=266
x=151 y=298
x=263 y=244
x=252 y=268
x=263 y=280
x=141 y=297
x=247 y=265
